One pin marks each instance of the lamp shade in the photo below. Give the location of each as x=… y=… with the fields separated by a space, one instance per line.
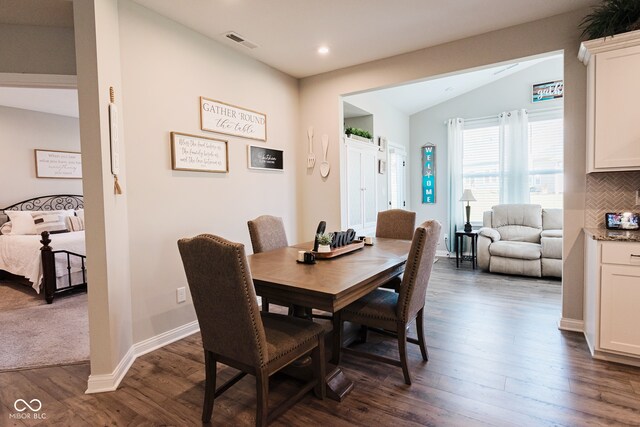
x=467 y=196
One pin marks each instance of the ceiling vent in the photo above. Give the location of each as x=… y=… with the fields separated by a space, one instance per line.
x=237 y=38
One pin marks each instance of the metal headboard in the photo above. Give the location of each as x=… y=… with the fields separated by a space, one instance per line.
x=45 y=203
x=49 y=203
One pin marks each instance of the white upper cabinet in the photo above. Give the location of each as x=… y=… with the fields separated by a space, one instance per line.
x=613 y=91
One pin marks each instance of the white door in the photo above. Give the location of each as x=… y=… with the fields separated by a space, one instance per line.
x=397 y=168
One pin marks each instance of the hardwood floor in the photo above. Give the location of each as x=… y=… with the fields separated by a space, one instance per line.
x=496 y=358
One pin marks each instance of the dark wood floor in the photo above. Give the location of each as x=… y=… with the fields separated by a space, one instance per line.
x=496 y=358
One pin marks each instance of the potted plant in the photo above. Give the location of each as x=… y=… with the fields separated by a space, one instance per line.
x=324 y=242
x=359 y=134
x=611 y=17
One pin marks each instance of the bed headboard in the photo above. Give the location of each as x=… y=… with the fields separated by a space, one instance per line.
x=45 y=203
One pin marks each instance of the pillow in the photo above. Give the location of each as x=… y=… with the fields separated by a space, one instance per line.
x=80 y=214
x=5 y=228
x=51 y=221
x=74 y=223
x=21 y=222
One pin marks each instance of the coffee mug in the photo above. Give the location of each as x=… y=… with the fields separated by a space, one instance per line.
x=368 y=240
x=309 y=257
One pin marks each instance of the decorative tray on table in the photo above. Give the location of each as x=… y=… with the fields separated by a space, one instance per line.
x=335 y=252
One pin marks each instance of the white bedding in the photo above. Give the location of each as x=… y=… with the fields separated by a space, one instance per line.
x=20 y=255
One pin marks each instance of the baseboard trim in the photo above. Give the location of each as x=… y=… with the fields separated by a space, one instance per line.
x=443 y=254
x=154 y=343
x=572 y=325
x=110 y=382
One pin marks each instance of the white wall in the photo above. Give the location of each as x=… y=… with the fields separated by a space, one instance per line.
x=509 y=93
x=165 y=69
x=390 y=123
x=320 y=104
x=37 y=49
x=23 y=131
x=107 y=236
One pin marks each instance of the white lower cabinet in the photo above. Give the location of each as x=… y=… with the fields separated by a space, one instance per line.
x=620 y=308
x=612 y=300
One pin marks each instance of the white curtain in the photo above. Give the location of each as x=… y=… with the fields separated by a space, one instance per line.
x=514 y=157
x=455 y=131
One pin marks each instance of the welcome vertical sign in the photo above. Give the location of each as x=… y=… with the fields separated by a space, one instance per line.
x=428 y=174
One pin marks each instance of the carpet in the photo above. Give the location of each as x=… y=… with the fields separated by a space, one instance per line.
x=36 y=334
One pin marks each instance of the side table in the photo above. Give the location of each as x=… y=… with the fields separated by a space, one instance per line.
x=473 y=234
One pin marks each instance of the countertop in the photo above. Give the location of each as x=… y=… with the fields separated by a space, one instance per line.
x=613 y=235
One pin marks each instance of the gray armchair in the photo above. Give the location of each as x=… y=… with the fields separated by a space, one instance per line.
x=521 y=239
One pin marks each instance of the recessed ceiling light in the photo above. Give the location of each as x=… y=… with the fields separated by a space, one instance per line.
x=323 y=50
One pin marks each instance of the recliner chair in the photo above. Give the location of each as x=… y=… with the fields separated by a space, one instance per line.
x=521 y=239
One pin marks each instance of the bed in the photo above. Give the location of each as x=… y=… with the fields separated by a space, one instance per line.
x=50 y=262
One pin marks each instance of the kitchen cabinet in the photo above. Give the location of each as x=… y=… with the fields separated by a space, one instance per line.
x=361 y=170
x=612 y=297
x=613 y=131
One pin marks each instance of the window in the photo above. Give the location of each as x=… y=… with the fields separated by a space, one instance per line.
x=481 y=161
x=481 y=166
x=546 y=161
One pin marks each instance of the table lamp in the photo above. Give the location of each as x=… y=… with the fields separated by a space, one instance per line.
x=467 y=196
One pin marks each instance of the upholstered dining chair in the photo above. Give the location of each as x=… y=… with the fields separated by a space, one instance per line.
x=236 y=333
x=391 y=311
x=267 y=233
x=395 y=224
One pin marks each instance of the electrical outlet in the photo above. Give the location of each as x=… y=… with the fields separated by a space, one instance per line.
x=446 y=237
x=181 y=295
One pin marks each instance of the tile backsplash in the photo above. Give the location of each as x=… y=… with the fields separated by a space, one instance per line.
x=610 y=192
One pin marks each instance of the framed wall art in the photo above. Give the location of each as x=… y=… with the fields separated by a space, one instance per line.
x=265 y=158
x=428 y=174
x=58 y=164
x=547 y=91
x=216 y=116
x=198 y=153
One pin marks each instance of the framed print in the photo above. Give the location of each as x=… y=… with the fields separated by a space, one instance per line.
x=265 y=158
x=216 y=116
x=58 y=164
x=198 y=153
x=547 y=91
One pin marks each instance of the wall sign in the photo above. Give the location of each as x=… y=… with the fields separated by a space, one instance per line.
x=265 y=158
x=198 y=153
x=58 y=164
x=547 y=91
x=428 y=174
x=216 y=116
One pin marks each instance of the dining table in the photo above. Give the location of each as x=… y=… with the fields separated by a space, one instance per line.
x=328 y=284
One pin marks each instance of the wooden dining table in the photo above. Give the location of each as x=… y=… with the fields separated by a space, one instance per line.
x=329 y=284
